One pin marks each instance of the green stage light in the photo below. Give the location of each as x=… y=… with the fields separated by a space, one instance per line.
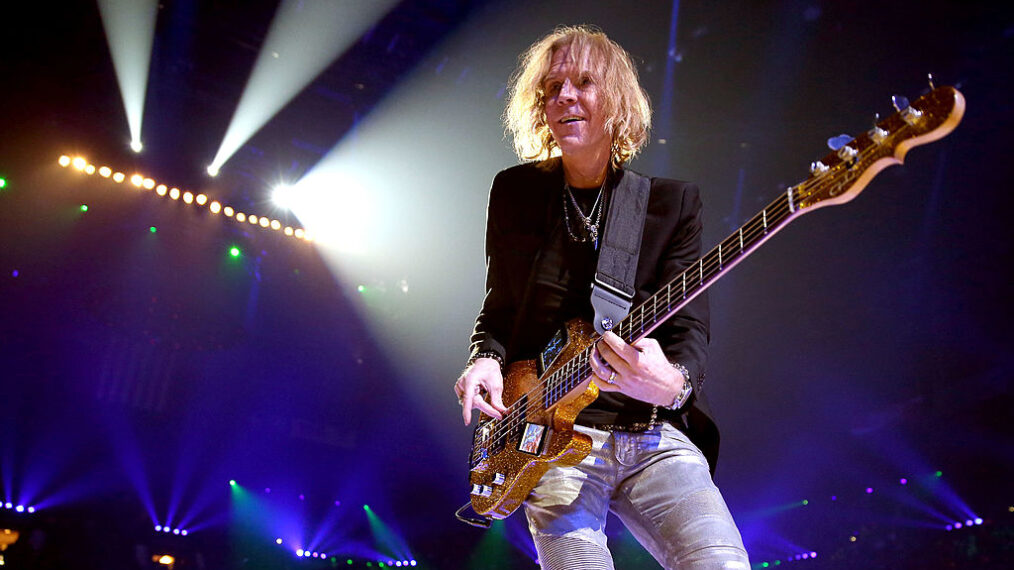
x=232 y=482
x=84 y=207
x=234 y=251
x=939 y=474
x=3 y=182
x=152 y=229
x=361 y=288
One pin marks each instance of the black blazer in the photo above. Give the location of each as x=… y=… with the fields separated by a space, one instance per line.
x=524 y=207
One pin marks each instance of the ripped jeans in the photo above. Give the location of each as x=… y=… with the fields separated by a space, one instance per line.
x=657 y=483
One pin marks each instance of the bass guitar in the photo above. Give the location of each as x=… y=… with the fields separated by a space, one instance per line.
x=510 y=455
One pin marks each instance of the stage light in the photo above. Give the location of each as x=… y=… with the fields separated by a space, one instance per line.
x=235 y=252
x=212 y=170
x=869 y=490
x=276 y=225
x=161 y=189
x=968 y=522
x=79 y=163
x=89 y=169
x=184 y=532
x=978 y=521
x=805 y=502
x=852 y=538
x=957 y=525
x=315 y=555
x=164 y=559
x=240 y=217
x=287 y=231
x=84 y=207
x=299 y=233
x=166 y=529
x=278 y=541
x=282 y=196
x=118 y=177
x=137 y=180
x=939 y=474
x=227 y=211
x=304 y=38
x=299 y=552
x=201 y=199
x=361 y=289
x=813 y=554
x=903 y=481
x=949 y=527
x=174 y=193
x=188 y=197
x=64 y=161
x=8 y=505
x=253 y=219
x=306 y=554
x=20 y=508
x=215 y=207
x=32 y=510
x=264 y=222
x=149 y=183
x=136 y=146
x=105 y=172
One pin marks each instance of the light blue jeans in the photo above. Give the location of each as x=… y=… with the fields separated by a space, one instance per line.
x=657 y=483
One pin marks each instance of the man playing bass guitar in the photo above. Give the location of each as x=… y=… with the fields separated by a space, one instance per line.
x=577 y=115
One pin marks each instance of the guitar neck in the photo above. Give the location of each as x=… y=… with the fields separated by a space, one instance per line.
x=709 y=268
x=693 y=281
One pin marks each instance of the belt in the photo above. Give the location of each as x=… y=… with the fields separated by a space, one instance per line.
x=635 y=427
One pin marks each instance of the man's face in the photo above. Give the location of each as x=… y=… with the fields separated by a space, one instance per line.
x=572 y=107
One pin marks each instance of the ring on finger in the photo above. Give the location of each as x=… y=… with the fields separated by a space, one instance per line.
x=612 y=377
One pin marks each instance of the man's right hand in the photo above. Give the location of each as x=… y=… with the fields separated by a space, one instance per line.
x=482 y=378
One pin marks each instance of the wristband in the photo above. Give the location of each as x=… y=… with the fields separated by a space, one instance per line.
x=683 y=397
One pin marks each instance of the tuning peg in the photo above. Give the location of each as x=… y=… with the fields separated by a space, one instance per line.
x=835 y=143
x=899 y=101
x=931 y=81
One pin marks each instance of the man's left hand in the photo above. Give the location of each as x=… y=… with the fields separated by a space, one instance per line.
x=640 y=370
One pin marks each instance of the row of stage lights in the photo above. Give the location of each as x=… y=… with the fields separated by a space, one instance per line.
x=81 y=164
x=300 y=553
x=167 y=529
x=17 y=508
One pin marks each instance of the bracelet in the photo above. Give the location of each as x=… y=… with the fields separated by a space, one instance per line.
x=486 y=354
x=683 y=397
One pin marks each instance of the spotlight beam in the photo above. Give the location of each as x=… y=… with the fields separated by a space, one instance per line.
x=305 y=37
x=130 y=31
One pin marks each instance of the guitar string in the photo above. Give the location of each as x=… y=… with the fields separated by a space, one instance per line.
x=779 y=211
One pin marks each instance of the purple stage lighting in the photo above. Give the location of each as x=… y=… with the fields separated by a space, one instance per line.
x=31 y=509
x=315 y=555
x=903 y=481
x=8 y=506
x=20 y=508
x=158 y=528
x=869 y=490
x=267 y=489
x=306 y=554
x=412 y=563
x=166 y=529
x=949 y=527
x=834 y=497
x=957 y=525
x=813 y=554
x=184 y=532
x=978 y=521
x=301 y=497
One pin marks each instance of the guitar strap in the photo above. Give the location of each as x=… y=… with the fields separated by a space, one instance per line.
x=613 y=287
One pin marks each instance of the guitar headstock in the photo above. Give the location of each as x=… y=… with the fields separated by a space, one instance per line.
x=842 y=174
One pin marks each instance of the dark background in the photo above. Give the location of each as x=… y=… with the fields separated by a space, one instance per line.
x=140 y=372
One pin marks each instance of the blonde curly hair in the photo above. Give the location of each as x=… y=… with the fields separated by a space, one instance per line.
x=623 y=102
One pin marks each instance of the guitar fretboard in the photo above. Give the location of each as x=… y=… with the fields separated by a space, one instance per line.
x=677 y=293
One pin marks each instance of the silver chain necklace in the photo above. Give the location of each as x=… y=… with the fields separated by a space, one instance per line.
x=590 y=228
